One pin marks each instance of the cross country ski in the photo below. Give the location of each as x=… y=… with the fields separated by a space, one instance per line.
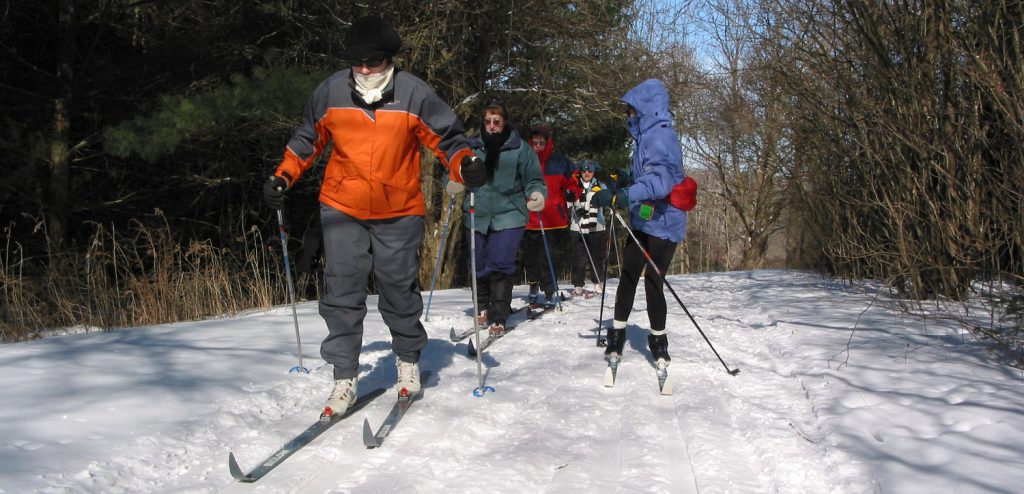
x=402 y=404
x=304 y=438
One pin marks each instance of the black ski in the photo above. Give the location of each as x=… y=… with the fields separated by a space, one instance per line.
x=457 y=337
x=298 y=441
x=491 y=338
x=402 y=405
x=534 y=312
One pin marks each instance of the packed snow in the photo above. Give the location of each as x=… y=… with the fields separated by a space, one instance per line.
x=836 y=392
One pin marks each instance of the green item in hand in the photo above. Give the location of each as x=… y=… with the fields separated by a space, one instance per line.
x=646 y=211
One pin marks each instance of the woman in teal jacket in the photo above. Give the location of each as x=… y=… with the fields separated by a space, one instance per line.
x=514 y=187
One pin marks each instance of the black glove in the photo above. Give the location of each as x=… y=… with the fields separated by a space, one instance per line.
x=601 y=198
x=570 y=196
x=622 y=197
x=618 y=180
x=273 y=191
x=474 y=175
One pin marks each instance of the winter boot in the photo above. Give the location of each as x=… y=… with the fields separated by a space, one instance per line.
x=577 y=291
x=616 y=340
x=342 y=397
x=408 y=378
x=497 y=329
x=659 y=347
x=534 y=292
x=483 y=293
x=598 y=288
x=501 y=297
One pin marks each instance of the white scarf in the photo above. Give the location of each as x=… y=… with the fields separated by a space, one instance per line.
x=371 y=86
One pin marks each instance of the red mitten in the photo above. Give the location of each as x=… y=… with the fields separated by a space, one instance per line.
x=684 y=195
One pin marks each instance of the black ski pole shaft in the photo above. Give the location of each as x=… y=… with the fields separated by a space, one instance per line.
x=604 y=276
x=440 y=252
x=583 y=238
x=291 y=289
x=551 y=265
x=651 y=263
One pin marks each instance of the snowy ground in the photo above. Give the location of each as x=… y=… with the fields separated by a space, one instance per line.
x=905 y=405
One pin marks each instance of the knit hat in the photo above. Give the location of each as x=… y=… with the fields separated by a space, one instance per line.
x=539 y=130
x=371 y=37
x=588 y=166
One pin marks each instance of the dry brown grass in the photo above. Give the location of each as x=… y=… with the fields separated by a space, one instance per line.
x=140 y=277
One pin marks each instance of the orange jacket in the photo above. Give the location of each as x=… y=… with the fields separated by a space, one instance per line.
x=374 y=168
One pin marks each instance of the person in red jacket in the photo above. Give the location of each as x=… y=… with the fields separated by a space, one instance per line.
x=378 y=118
x=553 y=220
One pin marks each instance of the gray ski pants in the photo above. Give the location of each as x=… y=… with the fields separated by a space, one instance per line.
x=352 y=247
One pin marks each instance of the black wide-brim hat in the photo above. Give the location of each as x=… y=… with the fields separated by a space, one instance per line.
x=371 y=37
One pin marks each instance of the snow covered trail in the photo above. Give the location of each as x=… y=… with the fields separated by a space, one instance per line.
x=836 y=394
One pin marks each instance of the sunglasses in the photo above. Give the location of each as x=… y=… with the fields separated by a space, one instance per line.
x=371 y=63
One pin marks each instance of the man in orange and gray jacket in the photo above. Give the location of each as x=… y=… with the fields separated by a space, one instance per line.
x=371 y=204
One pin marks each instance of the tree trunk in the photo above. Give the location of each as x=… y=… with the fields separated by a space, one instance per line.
x=55 y=190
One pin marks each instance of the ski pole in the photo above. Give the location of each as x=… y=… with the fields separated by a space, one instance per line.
x=607 y=254
x=650 y=262
x=480 y=389
x=291 y=290
x=440 y=252
x=551 y=265
x=586 y=247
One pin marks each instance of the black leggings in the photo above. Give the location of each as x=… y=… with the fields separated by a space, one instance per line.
x=633 y=264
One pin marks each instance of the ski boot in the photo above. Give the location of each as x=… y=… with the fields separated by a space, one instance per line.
x=534 y=293
x=549 y=299
x=408 y=378
x=659 y=348
x=497 y=329
x=616 y=340
x=342 y=397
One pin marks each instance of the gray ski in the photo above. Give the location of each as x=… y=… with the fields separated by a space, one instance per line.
x=304 y=438
x=611 y=370
x=402 y=404
x=664 y=380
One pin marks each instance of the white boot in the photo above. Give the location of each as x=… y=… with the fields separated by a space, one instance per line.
x=598 y=288
x=577 y=291
x=342 y=397
x=408 y=377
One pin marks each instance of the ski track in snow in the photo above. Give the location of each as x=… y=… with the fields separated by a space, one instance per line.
x=788 y=422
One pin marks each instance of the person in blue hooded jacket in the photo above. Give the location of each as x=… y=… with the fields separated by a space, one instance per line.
x=659 y=226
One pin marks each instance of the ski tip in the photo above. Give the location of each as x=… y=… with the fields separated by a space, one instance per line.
x=734 y=372
x=233 y=467
x=609 y=379
x=472 y=349
x=453 y=335
x=369 y=439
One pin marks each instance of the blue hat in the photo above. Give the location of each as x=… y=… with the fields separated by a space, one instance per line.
x=589 y=166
